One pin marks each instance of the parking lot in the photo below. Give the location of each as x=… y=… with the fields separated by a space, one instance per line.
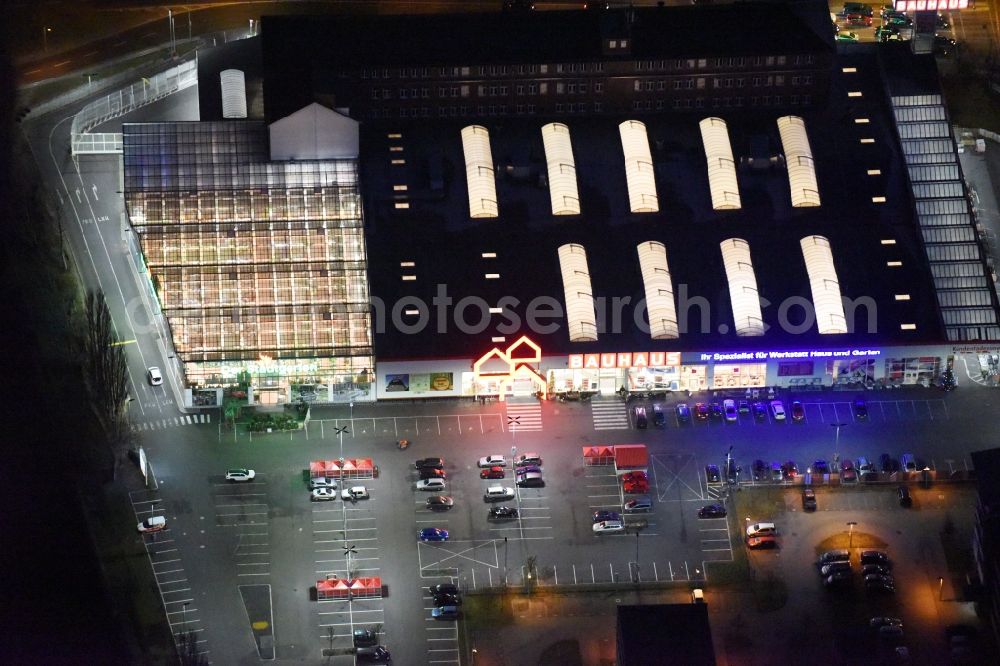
x=925 y=597
x=269 y=531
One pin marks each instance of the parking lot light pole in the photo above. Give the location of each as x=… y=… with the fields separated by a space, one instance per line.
x=184 y=633
x=940 y=588
x=850 y=534
x=340 y=431
x=637 y=558
x=836 y=439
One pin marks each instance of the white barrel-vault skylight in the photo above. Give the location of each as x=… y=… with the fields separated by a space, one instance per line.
x=799 y=161
x=479 y=172
x=638 y=168
x=742 y=287
x=825 y=286
x=721 y=167
x=580 y=313
x=562 y=169
x=659 y=291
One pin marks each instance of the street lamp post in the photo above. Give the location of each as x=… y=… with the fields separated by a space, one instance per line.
x=836 y=439
x=940 y=588
x=340 y=430
x=45 y=38
x=637 y=558
x=184 y=635
x=850 y=534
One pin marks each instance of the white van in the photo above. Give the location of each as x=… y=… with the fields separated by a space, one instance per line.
x=761 y=529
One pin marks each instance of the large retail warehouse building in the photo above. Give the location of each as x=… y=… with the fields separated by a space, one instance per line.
x=422 y=206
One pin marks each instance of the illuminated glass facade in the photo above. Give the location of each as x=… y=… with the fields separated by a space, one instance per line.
x=258 y=265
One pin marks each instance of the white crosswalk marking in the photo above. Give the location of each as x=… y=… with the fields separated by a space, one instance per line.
x=609 y=414
x=528 y=415
x=162 y=424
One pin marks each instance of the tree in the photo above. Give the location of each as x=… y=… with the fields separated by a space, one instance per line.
x=107 y=375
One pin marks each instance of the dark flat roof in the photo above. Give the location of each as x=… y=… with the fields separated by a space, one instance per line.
x=665 y=633
x=446 y=245
x=305 y=53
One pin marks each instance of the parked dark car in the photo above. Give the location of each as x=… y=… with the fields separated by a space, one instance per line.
x=712 y=474
x=365 y=637
x=798 y=411
x=443 y=588
x=760 y=411
x=876 y=569
x=601 y=516
x=860 y=409
x=440 y=503
x=944 y=46
x=835 y=567
x=880 y=584
x=847 y=472
x=809 y=499
x=760 y=470
x=640 y=417
x=378 y=654
x=789 y=470
x=903 y=493
x=712 y=511
x=429 y=463
x=432 y=473
x=683 y=412
x=838 y=579
x=888 y=463
x=875 y=557
x=821 y=467
x=445 y=599
x=502 y=513
x=716 y=410
x=744 y=407
x=659 y=418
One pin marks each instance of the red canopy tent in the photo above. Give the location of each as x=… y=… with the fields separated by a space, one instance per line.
x=598 y=455
x=317 y=468
x=332 y=589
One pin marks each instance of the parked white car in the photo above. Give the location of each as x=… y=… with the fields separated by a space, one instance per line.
x=431 y=484
x=491 y=461
x=498 y=494
x=322 y=482
x=729 y=409
x=354 y=493
x=777 y=410
x=606 y=526
x=240 y=474
x=153 y=524
x=323 y=494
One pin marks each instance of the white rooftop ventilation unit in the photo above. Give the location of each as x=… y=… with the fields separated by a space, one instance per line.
x=799 y=160
x=580 y=311
x=234 y=94
x=659 y=291
x=825 y=285
x=562 y=169
x=479 y=172
x=638 y=168
x=721 y=167
x=742 y=287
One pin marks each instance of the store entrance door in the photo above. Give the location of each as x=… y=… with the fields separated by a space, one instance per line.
x=609 y=385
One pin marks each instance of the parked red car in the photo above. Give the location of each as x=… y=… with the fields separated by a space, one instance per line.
x=637 y=487
x=635 y=476
x=492 y=473
x=858 y=20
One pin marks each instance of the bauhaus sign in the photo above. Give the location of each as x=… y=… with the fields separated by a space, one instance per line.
x=624 y=360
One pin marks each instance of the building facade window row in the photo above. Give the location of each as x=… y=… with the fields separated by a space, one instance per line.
x=660 y=65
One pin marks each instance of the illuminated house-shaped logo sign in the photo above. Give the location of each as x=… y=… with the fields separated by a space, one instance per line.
x=514 y=363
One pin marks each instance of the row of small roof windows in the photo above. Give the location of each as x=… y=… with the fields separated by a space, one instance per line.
x=639 y=171
x=744 y=297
